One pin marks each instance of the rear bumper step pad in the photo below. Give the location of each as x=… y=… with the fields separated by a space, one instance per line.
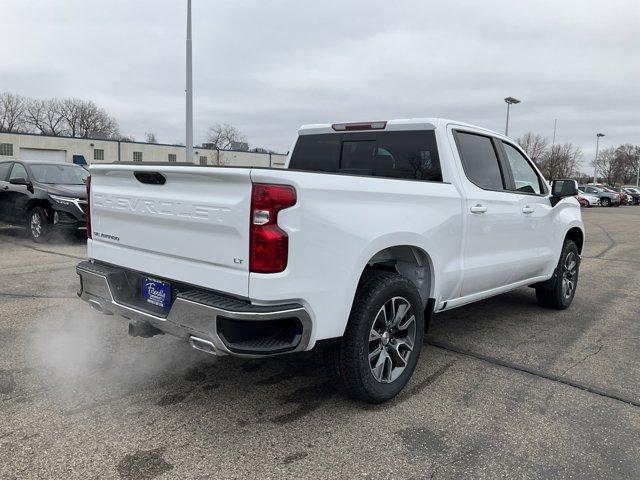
x=228 y=326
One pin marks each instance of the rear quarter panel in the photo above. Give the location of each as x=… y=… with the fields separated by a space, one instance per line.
x=340 y=222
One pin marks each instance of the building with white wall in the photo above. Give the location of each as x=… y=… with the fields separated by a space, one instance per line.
x=25 y=146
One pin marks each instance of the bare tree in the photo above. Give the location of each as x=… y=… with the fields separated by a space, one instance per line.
x=71 y=116
x=96 y=122
x=225 y=136
x=71 y=112
x=607 y=165
x=34 y=115
x=561 y=161
x=535 y=146
x=151 y=137
x=628 y=160
x=12 y=109
x=557 y=161
x=45 y=116
x=618 y=165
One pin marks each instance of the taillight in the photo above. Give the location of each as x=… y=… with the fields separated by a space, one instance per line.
x=87 y=213
x=269 y=244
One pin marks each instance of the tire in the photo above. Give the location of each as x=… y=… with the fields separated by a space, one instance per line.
x=605 y=202
x=375 y=359
x=558 y=292
x=37 y=225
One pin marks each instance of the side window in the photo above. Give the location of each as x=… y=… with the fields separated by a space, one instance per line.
x=480 y=160
x=18 y=171
x=4 y=171
x=524 y=176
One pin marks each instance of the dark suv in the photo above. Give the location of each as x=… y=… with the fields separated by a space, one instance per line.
x=43 y=196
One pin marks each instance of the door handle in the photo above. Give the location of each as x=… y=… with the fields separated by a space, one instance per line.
x=478 y=208
x=527 y=209
x=6 y=187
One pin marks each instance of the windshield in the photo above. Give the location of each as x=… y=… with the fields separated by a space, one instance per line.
x=62 y=174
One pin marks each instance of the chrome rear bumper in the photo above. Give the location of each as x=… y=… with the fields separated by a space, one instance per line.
x=196 y=315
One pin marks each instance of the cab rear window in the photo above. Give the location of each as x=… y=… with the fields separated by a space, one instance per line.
x=407 y=154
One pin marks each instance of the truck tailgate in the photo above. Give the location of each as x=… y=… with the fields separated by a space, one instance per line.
x=193 y=228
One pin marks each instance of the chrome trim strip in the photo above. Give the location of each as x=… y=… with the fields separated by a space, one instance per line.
x=74 y=200
x=186 y=318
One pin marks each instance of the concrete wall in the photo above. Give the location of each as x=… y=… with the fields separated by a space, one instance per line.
x=124 y=151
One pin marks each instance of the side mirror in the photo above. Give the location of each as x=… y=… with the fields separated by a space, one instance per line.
x=563 y=188
x=19 y=181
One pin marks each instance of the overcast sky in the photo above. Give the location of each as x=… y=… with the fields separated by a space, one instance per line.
x=269 y=66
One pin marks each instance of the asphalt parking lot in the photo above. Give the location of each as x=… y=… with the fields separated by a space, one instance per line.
x=504 y=388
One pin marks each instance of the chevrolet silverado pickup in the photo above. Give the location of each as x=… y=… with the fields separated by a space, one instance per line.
x=370 y=229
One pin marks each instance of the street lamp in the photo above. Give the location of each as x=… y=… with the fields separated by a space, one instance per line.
x=510 y=101
x=189 y=92
x=595 y=161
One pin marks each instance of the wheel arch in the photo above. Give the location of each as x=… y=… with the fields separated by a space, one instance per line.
x=577 y=235
x=38 y=202
x=410 y=261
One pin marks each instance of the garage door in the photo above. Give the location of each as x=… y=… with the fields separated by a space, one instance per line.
x=42 y=155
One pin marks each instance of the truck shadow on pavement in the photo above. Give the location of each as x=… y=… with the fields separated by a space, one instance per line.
x=163 y=372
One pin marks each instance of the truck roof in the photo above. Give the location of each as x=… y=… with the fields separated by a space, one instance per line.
x=396 y=124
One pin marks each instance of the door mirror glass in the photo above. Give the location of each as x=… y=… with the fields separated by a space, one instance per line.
x=564 y=188
x=18 y=181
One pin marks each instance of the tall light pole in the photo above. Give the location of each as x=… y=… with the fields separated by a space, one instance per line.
x=189 y=91
x=595 y=161
x=637 y=168
x=510 y=101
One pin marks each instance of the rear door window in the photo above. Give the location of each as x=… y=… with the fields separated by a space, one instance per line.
x=480 y=160
x=406 y=154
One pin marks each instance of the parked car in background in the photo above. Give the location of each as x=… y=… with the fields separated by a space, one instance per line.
x=634 y=192
x=607 y=199
x=624 y=198
x=43 y=196
x=587 y=200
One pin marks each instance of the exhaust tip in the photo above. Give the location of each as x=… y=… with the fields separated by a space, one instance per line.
x=97 y=306
x=203 y=345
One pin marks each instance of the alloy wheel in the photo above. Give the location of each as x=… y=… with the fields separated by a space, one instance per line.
x=569 y=275
x=36 y=225
x=391 y=339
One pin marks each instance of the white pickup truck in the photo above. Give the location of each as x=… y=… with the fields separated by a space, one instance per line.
x=370 y=229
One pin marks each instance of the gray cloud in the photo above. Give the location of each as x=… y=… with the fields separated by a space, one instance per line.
x=269 y=67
